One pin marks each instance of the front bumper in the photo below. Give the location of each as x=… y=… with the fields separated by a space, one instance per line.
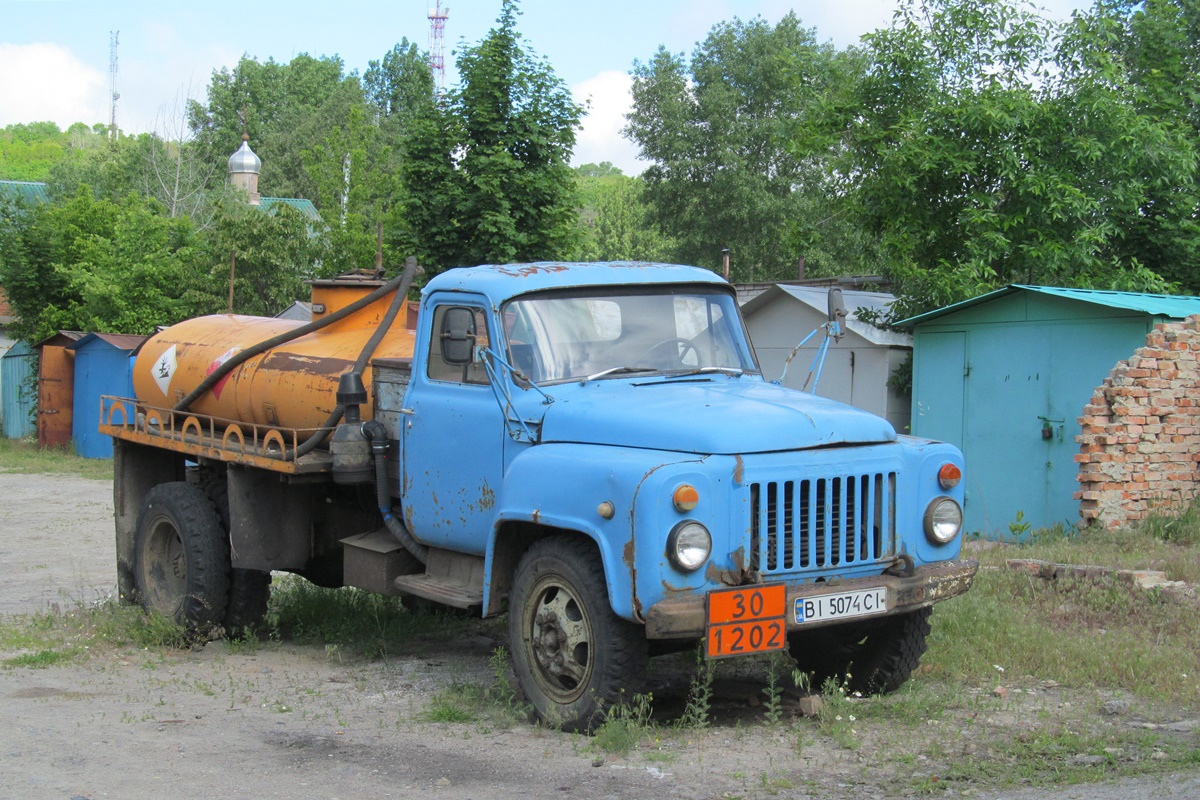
x=684 y=617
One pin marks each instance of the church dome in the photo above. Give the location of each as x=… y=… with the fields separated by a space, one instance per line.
x=244 y=160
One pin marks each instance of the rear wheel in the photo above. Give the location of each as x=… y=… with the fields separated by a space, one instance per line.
x=181 y=564
x=573 y=656
x=249 y=589
x=870 y=657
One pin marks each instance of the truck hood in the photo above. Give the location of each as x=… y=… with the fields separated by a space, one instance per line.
x=712 y=414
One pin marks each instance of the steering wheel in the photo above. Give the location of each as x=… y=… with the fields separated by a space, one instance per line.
x=682 y=346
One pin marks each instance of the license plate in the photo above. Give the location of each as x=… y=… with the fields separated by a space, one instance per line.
x=746 y=620
x=843 y=605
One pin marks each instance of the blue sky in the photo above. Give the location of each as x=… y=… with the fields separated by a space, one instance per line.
x=54 y=54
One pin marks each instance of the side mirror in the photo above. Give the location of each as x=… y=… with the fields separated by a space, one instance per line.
x=458 y=336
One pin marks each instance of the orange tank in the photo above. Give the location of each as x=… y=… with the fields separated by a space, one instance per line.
x=292 y=385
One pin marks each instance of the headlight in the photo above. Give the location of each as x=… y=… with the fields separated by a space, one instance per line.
x=689 y=545
x=943 y=520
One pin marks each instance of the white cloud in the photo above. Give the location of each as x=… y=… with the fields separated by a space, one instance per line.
x=608 y=100
x=47 y=82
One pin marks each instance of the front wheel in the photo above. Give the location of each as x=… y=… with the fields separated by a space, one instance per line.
x=572 y=655
x=181 y=563
x=870 y=657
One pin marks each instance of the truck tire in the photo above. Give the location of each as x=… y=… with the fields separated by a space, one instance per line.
x=572 y=655
x=249 y=589
x=181 y=564
x=873 y=657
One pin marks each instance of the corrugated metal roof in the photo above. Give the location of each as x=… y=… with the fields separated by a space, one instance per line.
x=305 y=207
x=121 y=341
x=818 y=299
x=1158 y=305
x=29 y=191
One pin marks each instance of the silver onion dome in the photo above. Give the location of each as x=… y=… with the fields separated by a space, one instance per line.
x=244 y=160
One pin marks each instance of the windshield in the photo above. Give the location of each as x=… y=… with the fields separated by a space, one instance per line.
x=577 y=336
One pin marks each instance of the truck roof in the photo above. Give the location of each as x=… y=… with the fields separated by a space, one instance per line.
x=502 y=281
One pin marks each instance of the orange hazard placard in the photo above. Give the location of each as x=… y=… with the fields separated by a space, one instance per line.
x=746 y=620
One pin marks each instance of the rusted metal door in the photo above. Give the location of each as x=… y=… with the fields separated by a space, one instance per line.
x=56 y=392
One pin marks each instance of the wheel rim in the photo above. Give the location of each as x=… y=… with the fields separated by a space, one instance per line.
x=165 y=568
x=560 y=639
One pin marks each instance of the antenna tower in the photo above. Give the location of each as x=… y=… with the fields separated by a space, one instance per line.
x=437 y=51
x=112 y=81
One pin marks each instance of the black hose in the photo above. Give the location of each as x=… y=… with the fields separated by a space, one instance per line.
x=335 y=416
x=403 y=280
x=377 y=436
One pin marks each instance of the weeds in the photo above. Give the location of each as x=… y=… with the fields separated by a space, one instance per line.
x=836 y=717
x=699 y=702
x=778 y=665
x=625 y=725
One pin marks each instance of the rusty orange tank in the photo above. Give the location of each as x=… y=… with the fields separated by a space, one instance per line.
x=292 y=385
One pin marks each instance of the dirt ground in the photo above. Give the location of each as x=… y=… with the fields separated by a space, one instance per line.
x=284 y=721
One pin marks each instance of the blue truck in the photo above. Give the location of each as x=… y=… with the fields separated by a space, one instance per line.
x=589 y=448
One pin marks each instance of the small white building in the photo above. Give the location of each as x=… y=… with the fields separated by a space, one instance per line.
x=856 y=368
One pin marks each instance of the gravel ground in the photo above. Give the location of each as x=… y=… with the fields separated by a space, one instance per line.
x=283 y=721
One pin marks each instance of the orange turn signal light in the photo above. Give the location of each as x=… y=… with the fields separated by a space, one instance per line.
x=685 y=498
x=949 y=475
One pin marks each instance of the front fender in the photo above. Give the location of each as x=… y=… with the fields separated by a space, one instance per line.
x=563 y=486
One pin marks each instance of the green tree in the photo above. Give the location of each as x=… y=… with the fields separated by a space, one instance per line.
x=273 y=255
x=283 y=108
x=616 y=219
x=984 y=148
x=1158 y=41
x=87 y=263
x=27 y=152
x=717 y=129
x=486 y=174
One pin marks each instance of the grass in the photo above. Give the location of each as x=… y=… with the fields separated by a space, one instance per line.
x=351 y=620
x=24 y=455
x=1102 y=633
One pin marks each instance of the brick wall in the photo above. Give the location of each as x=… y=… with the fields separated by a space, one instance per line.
x=1140 y=440
x=5 y=309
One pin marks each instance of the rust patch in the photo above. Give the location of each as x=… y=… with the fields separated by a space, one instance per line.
x=528 y=270
x=739 y=470
x=671 y=590
x=290 y=362
x=537 y=516
x=630 y=558
x=487 y=498
x=738 y=576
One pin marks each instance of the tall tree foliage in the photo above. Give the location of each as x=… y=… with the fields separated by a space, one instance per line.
x=87 y=263
x=984 y=148
x=615 y=218
x=485 y=174
x=717 y=129
x=283 y=108
x=1158 y=41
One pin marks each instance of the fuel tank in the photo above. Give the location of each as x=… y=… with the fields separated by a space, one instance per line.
x=292 y=385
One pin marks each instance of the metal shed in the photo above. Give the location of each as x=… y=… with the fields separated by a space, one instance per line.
x=856 y=368
x=16 y=387
x=102 y=366
x=1005 y=377
x=56 y=387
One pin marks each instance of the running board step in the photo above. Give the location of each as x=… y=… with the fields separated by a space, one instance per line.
x=452 y=579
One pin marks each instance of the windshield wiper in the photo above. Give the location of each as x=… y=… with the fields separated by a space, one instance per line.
x=734 y=371
x=615 y=371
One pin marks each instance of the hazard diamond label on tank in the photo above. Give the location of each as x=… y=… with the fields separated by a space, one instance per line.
x=164 y=368
x=221 y=359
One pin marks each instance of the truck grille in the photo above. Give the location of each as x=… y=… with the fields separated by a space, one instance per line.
x=817 y=523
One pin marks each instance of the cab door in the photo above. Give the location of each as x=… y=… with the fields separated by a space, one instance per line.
x=453 y=430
